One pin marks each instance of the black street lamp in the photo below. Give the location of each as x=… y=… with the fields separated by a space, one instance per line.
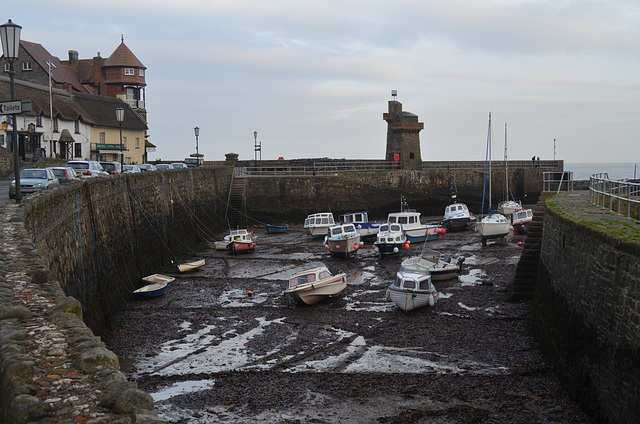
x=10 y=37
x=120 y=119
x=197 y=131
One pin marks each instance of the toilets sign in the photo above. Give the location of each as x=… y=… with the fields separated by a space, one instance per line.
x=14 y=107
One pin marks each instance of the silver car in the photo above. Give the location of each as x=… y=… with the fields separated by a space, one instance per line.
x=33 y=180
x=87 y=168
x=131 y=169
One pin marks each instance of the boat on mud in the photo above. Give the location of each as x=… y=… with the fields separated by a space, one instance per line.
x=315 y=283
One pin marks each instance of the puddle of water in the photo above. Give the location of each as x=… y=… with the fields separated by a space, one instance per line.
x=468 y=308
x=182 y=388
x=472 y=278
x=239 y=298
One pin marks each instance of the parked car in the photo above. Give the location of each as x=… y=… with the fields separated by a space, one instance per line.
x=131 y=168
x=163 y=166
x=65 y=174
x=87 y=168
x=147 y=167
x=112 y=167
x=194 y=162
x=178 y=165
x=33 y=180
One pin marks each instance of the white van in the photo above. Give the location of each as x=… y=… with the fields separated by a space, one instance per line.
x=193 y=162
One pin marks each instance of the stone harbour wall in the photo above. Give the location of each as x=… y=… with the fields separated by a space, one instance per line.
x=587 y=304
x=68 y=258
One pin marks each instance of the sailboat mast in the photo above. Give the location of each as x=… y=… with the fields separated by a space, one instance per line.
x=506 y=172
x=489 y=147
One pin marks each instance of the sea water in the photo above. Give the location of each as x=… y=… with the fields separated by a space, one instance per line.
x=616 y=171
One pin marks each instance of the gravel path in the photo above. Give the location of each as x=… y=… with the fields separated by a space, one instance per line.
x=209 y=352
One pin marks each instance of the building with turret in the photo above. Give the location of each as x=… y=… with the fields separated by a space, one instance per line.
x=403 y=136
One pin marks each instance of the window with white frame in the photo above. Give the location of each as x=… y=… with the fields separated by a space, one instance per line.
x=27 y=66
x=77 y=126
x=55 y=125
x=128 y=71
x=39 y=121
x=137 y=142
x=101 y=138
x=140 y=72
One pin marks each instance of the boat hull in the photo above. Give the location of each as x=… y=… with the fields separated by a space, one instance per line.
x=457 y=224
x=408 y=300
x=190 y=266
x=242 y=246
x=344 y=246
x=390 y=248
x=274 y=229
x=150 y=291
x=439 y=270
x=312 y=293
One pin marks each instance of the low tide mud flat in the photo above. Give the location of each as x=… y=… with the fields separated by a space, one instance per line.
x=209 y=352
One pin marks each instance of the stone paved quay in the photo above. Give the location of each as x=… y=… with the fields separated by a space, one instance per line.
x=52 y=367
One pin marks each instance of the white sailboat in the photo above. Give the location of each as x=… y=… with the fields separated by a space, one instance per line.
x=508 y=206
x=493 y=225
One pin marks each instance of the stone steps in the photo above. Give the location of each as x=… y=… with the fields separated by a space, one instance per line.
x=524 y=281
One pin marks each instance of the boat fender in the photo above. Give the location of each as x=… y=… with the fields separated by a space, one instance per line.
x=338 y=246
x=361 y=243
x=388 y=294
x=406 y=246
x=395 y=250
x=432 y=300
x=355 y=246
x=329 y=248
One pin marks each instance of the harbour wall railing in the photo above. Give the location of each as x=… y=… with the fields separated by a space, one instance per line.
x=621 y=196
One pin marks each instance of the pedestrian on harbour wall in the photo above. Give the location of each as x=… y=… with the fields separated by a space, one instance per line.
x=533 y=161
x=538 y=161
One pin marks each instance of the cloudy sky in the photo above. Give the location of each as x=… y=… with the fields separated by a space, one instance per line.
x=313 y=78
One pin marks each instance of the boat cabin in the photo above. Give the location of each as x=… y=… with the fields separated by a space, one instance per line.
x=404 y=218
x=310 y=276
x=355 y=217
x=522 y=215
x=319 y=219
x=413 y=281
x=456 y=209
x=340 y=230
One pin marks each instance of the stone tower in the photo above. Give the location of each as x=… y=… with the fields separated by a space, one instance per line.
x=403 y=136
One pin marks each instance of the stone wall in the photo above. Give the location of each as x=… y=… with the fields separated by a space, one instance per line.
x=291 y=199
x=587 y=306
x=94 y=240
x=6 y=162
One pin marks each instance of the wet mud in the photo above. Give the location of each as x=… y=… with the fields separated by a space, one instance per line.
x=209 y=351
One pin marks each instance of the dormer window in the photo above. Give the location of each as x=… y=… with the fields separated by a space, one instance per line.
x=128 y=71
x=140 y=72
x=26 y=66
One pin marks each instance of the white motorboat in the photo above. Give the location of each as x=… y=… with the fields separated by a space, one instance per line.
x=362 y=223
x=315 y=283
x=342 y=240
x=411 y=290
x=508 y=207
x=391 y=239
x=457 y=217
x=317 y=224
x=432 y=262
x=521 y=219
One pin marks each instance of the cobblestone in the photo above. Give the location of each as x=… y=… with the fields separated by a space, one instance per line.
x=52 y=367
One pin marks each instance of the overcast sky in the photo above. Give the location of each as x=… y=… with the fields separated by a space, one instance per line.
x=313 y=78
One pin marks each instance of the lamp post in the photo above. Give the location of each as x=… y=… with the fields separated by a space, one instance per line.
x=120 y=118
x=196 y=130
x=10 y=37
x=257 y=147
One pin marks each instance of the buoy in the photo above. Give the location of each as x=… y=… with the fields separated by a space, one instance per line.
x=329 y=248
x=406 y=246
x=249 y=293
x=395 y=250
x=443 y=231
x=408 y=241
x=355 y=247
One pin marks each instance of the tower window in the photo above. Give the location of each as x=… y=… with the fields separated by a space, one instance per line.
x=128 y=71
x=140 y=72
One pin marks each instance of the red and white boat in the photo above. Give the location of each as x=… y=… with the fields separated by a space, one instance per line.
x=521 y=219
x=242 y=241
